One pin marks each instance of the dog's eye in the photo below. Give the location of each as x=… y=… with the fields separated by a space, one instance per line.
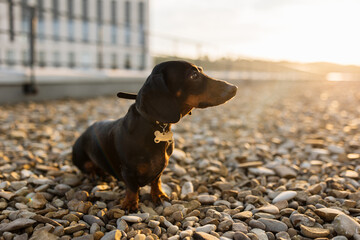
x=194 y=76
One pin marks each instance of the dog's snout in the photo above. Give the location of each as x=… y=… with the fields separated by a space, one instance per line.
x=218 y=92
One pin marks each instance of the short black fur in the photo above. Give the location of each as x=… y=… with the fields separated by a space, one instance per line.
x=125 y=148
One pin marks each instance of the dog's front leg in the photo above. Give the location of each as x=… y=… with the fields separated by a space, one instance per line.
x=131 y=201
x=157 y=194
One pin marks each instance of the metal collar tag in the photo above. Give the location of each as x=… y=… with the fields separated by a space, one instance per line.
x=163 y=137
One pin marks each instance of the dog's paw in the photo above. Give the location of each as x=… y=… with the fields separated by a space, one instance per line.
x=158 y=198
x=130 y=207
x=131 y=202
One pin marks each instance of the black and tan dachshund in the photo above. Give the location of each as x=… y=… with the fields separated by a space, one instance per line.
x=137 y=147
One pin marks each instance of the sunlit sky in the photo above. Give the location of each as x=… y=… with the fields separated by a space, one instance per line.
x=295 y=30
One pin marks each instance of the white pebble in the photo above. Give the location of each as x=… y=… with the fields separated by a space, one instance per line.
x=287 y=195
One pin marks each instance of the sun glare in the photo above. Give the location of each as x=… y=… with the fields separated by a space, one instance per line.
x=312 y=32
x=304 y=31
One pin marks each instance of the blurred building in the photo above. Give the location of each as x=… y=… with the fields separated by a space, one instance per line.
x=72 y=48
x=75 y=34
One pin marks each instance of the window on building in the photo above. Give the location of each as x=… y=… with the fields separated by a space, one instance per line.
x=141 y=23
x=127 y=61
x=11 y=21
x=40 y=21
x=113 y=22
x=86 y=60
x=25 y=58
x=56 y=20
x=142 y=65
x=100 y=63
x=71 y=60
x=99 y=20
x=85 y=19
x=70 y=14
x=41 y=61
x=127 y=23
x=10 y=57
x=57 y=62
x=25 y=24
x=114 y=62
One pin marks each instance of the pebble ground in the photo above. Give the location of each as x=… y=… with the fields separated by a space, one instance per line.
x=280 y=161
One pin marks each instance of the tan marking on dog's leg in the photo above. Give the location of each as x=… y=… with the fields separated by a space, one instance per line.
x=131 y=201
x=157 y=194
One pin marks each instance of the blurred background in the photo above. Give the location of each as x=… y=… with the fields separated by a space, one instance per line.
x=84 y=48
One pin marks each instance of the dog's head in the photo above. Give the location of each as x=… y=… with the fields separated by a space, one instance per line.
x=174 y=88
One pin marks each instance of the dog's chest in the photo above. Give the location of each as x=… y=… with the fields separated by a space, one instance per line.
x=152 y=165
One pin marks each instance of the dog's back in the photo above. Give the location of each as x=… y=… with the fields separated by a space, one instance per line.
x=94 y=150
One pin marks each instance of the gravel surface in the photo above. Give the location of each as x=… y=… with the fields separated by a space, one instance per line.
x=280 y=161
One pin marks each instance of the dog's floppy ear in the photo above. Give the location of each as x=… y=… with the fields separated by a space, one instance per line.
x=156 y=101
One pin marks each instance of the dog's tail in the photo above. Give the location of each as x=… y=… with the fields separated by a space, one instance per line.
x=126 y=95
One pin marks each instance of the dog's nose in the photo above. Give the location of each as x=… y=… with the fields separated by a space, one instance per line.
x=232 y=90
